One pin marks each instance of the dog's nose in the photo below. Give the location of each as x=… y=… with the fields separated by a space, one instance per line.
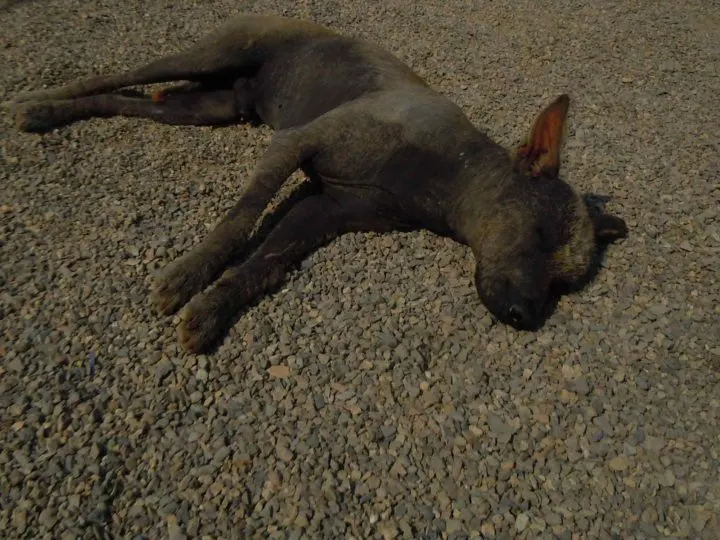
x=520 y=315
x=523 y=311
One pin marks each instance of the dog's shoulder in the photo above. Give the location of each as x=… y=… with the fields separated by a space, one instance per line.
x=423 y=112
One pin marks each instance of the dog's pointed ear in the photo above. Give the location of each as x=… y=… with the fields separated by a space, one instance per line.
x=539 y=155
x=608 y=228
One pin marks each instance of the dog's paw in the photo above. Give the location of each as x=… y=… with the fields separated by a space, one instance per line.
x=179 y=282
x=32 y=116
x=203 y=323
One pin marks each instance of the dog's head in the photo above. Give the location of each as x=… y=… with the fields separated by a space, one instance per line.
x=542 y=237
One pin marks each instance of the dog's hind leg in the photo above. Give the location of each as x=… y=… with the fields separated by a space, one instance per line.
x=311 y=223
x=194 y=107
x=191 y=273
x=193 y=65
x=237 y=46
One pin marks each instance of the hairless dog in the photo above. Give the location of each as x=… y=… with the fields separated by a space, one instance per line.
x=382 y=151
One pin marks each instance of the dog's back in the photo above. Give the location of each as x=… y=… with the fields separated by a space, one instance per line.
x=305 y=70
x=301 y=81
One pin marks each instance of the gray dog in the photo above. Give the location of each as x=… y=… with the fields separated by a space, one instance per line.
x=383 y=152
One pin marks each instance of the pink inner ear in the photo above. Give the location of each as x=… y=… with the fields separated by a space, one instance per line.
x=542 y=151
x=530 y=152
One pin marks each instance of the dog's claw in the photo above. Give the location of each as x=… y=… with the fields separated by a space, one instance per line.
x=201 y=325
x=179 y=282
x=168 y=301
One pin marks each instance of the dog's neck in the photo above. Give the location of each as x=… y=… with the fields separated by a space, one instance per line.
x=485 y=178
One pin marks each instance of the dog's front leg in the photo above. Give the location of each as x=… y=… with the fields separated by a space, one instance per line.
x=191 y=273
x=309 y=224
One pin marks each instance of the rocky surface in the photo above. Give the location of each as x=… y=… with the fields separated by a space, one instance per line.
x=372 y=397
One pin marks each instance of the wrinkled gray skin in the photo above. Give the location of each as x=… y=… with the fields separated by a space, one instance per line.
x=383 y=151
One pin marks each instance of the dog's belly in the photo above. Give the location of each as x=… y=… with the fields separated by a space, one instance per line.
x=406 y=186
x=303 y=80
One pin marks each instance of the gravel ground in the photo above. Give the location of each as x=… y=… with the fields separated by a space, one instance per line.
x=371 y=397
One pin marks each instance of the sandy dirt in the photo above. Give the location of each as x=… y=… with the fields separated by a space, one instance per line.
x=371 y=397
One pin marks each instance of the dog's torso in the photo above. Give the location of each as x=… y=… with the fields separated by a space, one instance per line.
x=404 y=154
x=388 y=127
x=304 y=78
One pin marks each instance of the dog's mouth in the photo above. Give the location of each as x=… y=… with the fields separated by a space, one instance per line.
x=509 y=306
